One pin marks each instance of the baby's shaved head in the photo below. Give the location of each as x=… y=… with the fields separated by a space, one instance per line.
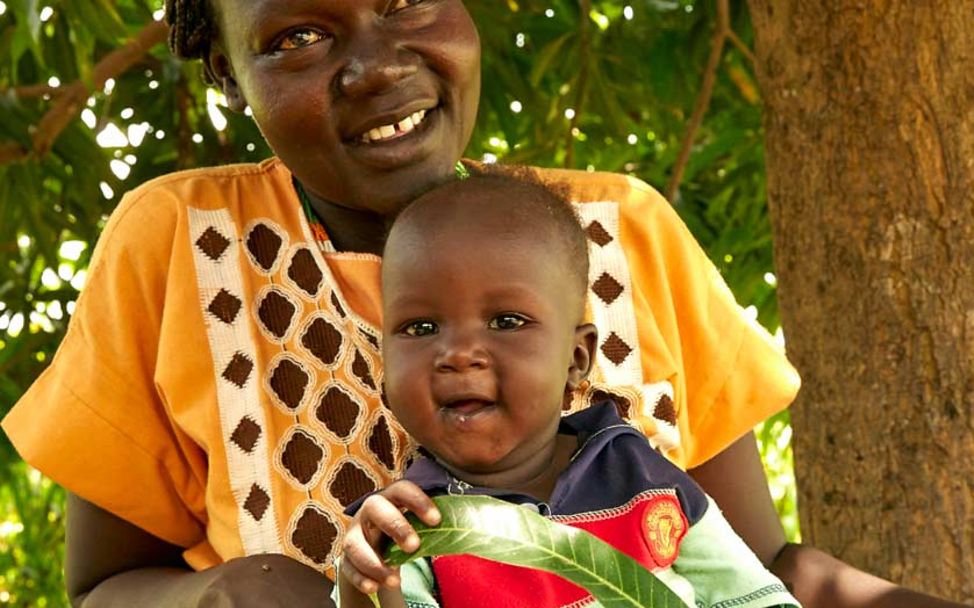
x=499 y=206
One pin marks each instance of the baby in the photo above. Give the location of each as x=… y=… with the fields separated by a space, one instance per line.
x=484 y=341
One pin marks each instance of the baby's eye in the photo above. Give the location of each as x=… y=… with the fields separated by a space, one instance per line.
x=297 y=39
x=507 y=321
x=418 y=329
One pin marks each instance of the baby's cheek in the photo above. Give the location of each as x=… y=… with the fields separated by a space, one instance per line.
x=404 y=382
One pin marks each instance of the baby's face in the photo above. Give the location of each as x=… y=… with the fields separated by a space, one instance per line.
x=479 y=337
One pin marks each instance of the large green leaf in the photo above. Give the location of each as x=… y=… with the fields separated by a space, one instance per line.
x=502 y=532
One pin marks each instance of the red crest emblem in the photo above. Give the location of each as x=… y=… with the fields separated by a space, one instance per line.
x=664 y=526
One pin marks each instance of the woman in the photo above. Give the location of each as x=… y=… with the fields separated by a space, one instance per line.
x=239 y=410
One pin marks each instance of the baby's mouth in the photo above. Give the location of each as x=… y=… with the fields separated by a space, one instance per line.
x=395 y=130
x=467 y=407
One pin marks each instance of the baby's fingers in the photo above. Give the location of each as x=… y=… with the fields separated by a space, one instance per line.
x=363 y=583
x=362 y=566
x=379 y=514
x=409 y=496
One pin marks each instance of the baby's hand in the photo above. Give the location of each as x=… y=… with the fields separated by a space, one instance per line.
x=381 y=517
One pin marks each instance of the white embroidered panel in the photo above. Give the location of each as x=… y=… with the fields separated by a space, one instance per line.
x=217 y=256
x=610 y=295
x=618 y=356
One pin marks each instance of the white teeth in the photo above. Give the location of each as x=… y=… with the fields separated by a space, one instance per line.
x=404 y=126
x=373 y=135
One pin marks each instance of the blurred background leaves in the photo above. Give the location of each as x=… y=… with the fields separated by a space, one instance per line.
x=586 y=84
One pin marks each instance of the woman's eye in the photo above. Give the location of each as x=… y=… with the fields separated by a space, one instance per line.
x=418 y=329
x=507 y=322
x=398 y=5
x=298 y=39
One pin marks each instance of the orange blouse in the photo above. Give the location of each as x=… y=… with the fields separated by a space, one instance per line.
x=219 y=384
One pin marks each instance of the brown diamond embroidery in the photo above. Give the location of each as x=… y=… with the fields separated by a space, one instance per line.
x=598 y=234
x=238 y=370
x=322 y=340
x=350 y=483
x=276 y=313
x=615 y=349
x=302 y=457
x=289 y=382
x=360 y=367
x=225 y=306
x=264 y=245
x=257 y=502
x=622 y=404
x=665 y=410
x=338 y=412
x=380 y=443
x=305 y=273
x=212 y=243
x=337 y=305
x=246 y=434
x=314 y=535
x=607 y=288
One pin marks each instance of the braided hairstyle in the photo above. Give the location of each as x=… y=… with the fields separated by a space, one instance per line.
x=191 y=28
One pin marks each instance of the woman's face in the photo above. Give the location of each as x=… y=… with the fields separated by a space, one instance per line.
x=368 y=102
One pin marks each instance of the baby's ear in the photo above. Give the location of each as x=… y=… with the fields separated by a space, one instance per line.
x=583 y=355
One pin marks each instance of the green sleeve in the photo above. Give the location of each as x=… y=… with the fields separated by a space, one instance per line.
x=722 y=569
x=418 y=584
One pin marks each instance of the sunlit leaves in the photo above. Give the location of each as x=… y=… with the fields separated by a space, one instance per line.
x=31 y=539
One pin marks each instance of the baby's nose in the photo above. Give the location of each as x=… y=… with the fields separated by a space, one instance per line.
x=461 y=353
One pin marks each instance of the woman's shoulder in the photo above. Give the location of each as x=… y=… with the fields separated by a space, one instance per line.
x=152 y=214
x=623 y=201
x=211 y=186
x=600 y=186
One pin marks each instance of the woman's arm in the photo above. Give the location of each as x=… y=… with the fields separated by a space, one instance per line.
x=736 y=481
x=111 y=562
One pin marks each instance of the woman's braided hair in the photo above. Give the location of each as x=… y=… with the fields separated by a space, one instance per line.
x=191 y=28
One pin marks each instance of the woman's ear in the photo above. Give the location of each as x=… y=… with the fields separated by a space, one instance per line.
x=583 y=356
x=219 y=71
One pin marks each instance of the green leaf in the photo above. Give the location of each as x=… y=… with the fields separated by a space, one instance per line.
x=28 y=13
x=499 y=531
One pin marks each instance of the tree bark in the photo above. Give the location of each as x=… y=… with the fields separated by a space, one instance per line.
x=869 y=122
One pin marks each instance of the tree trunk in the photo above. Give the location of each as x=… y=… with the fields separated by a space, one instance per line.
x=870 y=154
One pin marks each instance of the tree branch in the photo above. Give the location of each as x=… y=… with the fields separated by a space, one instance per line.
x=12 y=152
x=743 y=48
x=722 y=34
x=32 y=91
x=71 y=98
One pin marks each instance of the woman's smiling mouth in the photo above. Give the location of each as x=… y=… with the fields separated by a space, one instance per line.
x=394 y=130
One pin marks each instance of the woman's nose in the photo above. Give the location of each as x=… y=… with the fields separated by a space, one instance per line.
x=461 y=353
x=374 y=63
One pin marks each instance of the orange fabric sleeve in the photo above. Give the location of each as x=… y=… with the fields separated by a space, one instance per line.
x=94 y=420
x=734 y=374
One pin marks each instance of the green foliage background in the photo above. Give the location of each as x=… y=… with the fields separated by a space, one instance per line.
x=605 y=85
